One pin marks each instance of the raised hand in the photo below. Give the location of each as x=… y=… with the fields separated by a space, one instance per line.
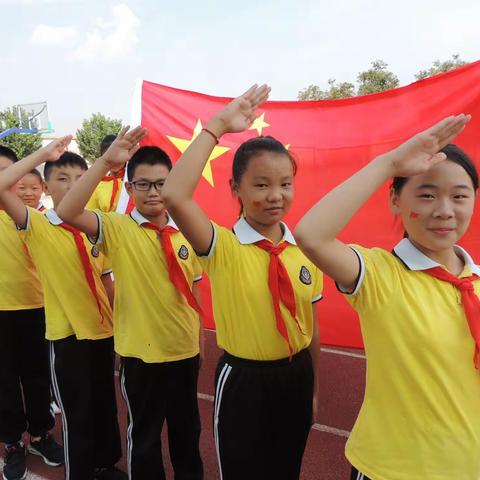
x=239 y=114
x=54 y=150
x=420 y=153
x=124 y=146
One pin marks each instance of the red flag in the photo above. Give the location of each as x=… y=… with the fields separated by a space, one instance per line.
x=331 y=140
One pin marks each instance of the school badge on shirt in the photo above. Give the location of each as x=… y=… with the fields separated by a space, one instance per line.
x=183 y=252
x=305 y=276
x=95 y=252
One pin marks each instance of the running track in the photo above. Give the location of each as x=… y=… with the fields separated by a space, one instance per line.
x=342 y=374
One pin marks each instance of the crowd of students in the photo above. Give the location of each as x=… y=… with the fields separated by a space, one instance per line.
x=62 y=318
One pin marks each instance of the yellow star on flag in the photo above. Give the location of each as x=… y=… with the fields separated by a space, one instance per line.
x=259 y=124
x=182 y=144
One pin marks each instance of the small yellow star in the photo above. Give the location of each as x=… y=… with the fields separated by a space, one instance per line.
x=259 y=124
x=287 y=146
x=182 y=144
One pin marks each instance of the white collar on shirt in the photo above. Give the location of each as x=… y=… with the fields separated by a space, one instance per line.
x=53 y=218
x=246 y=234
x=414 y=259
x=140 y=219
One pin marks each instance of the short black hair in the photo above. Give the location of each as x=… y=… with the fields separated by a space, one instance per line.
x=456 y=155
x=148 y=155
x=37 y=174
x=8 y=153
x=106 y=142
x=69 y=159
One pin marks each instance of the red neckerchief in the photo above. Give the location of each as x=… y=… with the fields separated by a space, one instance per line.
x=280 y=287
x=87 y=267
x=470 y=301
x=175 y=272
x=113 y=178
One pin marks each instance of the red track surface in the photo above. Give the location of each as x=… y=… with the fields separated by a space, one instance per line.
x=342 y=385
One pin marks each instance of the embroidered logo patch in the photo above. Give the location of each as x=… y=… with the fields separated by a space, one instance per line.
x=305 y=276
x=183 y=252
x=95 y=252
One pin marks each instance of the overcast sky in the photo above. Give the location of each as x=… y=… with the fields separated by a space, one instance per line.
x=84 y=56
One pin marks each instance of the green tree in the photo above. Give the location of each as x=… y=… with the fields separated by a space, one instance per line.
x=92 y=132
x=341 y=90
x=376 y=79
x=440 y=67
x=22 y=144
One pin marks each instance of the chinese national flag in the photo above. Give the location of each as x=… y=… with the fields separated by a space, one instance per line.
x=330 y=140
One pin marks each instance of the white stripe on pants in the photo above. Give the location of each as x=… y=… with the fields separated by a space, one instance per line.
x=222 y=380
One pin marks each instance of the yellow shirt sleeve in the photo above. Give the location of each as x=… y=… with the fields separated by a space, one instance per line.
x=108 y=232
x=197 y=269
x=36 y=226
x=106 y=265
x=376 y=280
x=317 y=284
x=220 y=249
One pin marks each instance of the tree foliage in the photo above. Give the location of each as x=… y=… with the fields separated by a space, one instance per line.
x=441 y=67
x=340 y=90
x=376 y=79
x=22 y=144
x=92 y=132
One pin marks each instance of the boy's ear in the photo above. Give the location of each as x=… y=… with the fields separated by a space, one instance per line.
x=394 y=202
x=233 y=186
x=128 y=188
x=45 y=188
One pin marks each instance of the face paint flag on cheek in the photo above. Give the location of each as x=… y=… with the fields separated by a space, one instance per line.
x=414 y=215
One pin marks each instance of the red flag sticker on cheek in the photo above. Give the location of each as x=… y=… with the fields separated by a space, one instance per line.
x=414 y=215
x=256 y=203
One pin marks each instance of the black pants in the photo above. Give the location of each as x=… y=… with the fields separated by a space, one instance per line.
x=24 y=366
x=356 y=475
x=262 y=417
x=156 y=392
x=83 y=380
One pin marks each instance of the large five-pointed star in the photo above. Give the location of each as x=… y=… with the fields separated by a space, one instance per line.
x=259 y=124
x=182 y=144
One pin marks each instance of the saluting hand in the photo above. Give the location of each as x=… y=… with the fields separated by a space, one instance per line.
x=124 y=146
x=420 y=153
x=54 y=150
x=239 y=114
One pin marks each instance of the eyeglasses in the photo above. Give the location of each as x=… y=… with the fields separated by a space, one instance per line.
x=145 y=185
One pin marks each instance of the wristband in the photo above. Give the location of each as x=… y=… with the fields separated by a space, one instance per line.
x=210 y=133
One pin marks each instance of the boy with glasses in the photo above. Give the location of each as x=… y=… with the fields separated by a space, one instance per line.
x=156 y=313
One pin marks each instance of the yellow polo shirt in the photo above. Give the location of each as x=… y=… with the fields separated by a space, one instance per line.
x=20 y=287
x=70 y=307
x=153 y=320
x=420 y=419
x=242 y=302
x=100 y=199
